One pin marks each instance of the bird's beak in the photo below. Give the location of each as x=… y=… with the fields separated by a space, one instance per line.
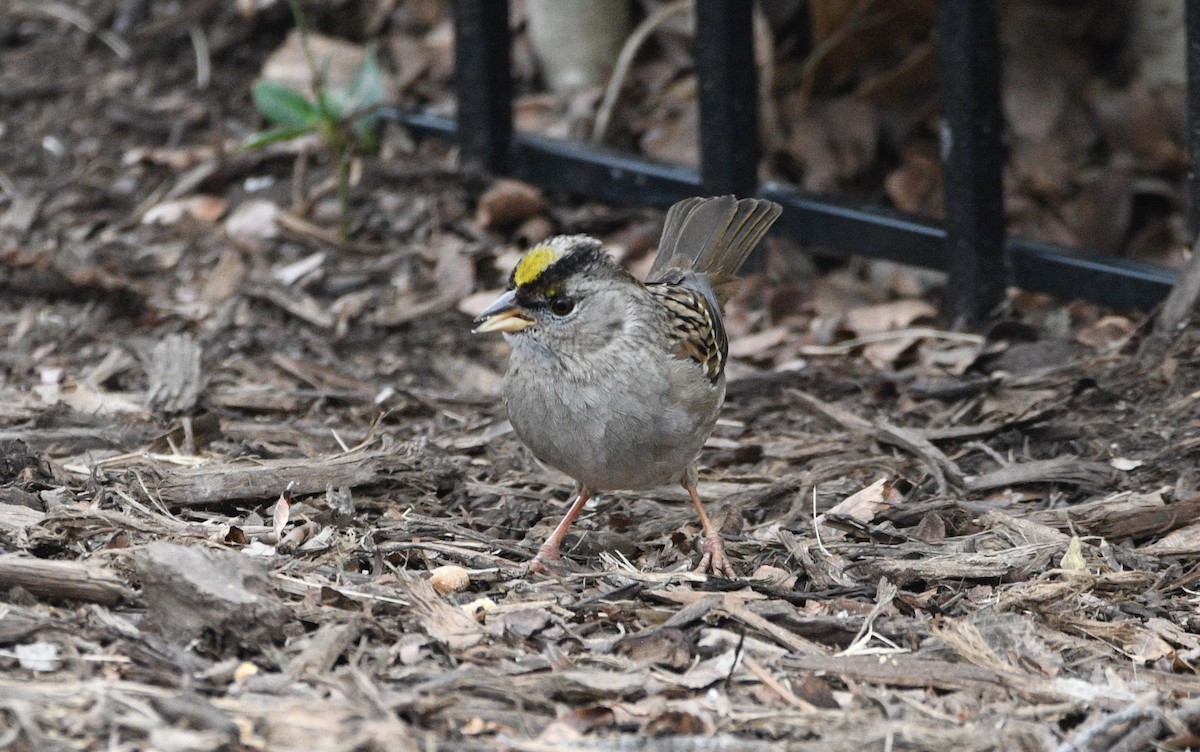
x=504 y=315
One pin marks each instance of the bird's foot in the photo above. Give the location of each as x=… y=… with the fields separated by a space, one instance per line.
x=713 y=558
x=547 y=556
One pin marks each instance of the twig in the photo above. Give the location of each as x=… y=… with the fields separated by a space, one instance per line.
x=916 y=332
x=129 y=458
x=793 y=642
x=77 y=19
x=945 y=472
x=857 y=21
x=817 y=524
x=772 y=684
x=203 y=56
x=617 y=563
x=858 y=646
x=625 y=61
x=352 y=594
x=979 y=446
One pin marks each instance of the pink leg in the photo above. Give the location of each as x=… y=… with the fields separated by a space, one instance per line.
x=549 y=550
x=712 y=548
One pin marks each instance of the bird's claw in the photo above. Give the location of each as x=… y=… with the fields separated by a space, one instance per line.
x=713 y=558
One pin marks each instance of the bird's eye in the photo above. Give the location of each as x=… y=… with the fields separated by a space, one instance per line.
x=561 y=306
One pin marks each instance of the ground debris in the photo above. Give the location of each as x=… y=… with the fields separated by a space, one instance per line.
x=191 y=591
x=236 y=449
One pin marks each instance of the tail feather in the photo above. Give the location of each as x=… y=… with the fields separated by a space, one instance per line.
x=712 y=236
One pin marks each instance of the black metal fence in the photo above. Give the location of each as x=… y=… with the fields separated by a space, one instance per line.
x=971 y=245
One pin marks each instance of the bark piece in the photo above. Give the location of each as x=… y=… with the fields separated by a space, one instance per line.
x=324 y=647
x=1070 y=470
x=220 y=483
x=189 y=590
x=174 y=374
x=63 y=580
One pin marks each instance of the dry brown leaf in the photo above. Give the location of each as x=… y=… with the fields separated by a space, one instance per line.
x=454 y=270
x=533 y=231
x=848 y=33
x=1042 y=168
x=663 y=647
x=1033 y=102
x=1107 y=334
x=950 y=357
x=708 y=672
x=179 y=159
x=1143 y=124
x=1184 y=541
x=253 y=220
x=775 y=576
x=834 y=141
x=89 y=400
x=203 y=208
x=411 y=60
x=283 y=507
x=445 y=623
x=1008 y=404
x=339 y=61
x=681 y=722
x=674 y=138
x=539 y=112
x=897 y=314
x=902 y=280
x=867 y=503
x=508 y=202
x=1173 y=633
x=225 y=278
x=916 y=185
x=883 y=355
x=207 y=208
x=756 y=346
x=1148 y=647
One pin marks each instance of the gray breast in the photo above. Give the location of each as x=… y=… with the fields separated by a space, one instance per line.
x=633 y=422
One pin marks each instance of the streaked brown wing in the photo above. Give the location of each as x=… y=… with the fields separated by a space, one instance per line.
x=695 y=329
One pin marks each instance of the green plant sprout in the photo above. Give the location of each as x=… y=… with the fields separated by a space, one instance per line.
x=344 y=120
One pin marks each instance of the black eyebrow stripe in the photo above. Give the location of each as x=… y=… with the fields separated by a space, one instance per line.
x=586 y=253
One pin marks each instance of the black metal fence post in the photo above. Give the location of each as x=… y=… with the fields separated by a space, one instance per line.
x=1192 y=21
x=972 y=157
x=483 y=82
x=728 y=97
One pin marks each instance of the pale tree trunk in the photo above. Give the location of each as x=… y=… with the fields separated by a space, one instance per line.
x=576 y=41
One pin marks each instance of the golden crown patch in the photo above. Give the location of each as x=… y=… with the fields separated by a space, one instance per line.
x=533 y=263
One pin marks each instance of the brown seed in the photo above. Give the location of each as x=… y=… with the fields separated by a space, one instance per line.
x=449 y=578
